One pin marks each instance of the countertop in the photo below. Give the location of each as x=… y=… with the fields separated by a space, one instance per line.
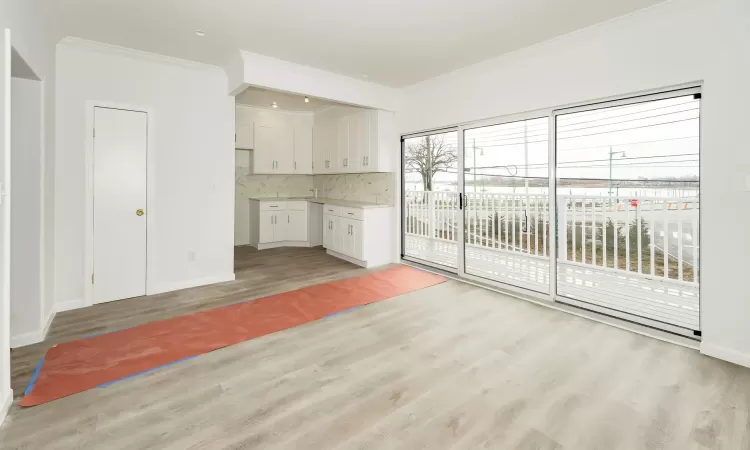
x=322 y=200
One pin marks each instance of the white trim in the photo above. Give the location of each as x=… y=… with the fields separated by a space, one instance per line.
x=69 y=305
x=631 y=99
x=338 y=255
x=5 y=53
x=133 y=53
x=282 y=244
x=48 y=324
x=179 y=285
x=24 y=339
x=42 y=232
x=88 y=254
x=5 y=405
x=725 y=353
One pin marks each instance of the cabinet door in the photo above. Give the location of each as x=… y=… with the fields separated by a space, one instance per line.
x=353 y=163
x=243 y=136
x=337 y=234
x=265 y=149
x=280 y=226
x=356 y=235
x=371 y=159
x=284 y=156
x=342 y=145
x=296 y=226
x=303 y=149
x=266 y=227
x=328 y=231
x=346 y=237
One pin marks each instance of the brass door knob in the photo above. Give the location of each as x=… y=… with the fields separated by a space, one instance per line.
x=138 y=212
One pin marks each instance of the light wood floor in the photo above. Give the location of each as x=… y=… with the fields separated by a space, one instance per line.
x=451 y=366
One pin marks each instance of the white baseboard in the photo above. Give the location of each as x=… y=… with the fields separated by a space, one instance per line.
x=169 y=287
x=5 y=405
x=69 y=305
x=24 y=339
x=282 y=244
x=48 y=324
x=725 y=353
x=32 y=337
x=348 y=258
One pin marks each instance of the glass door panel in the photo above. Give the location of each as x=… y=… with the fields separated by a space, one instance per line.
x=431 y=199
x=506 y=209
x=628 y=209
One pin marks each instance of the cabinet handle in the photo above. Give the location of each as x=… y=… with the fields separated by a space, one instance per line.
x=295 y=165
x=288 y=219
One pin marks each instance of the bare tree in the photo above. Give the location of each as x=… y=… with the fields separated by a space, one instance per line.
x=429 y=155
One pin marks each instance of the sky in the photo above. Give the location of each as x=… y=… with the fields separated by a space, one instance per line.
x=655 y=140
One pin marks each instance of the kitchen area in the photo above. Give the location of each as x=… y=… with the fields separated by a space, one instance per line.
x=312 y=173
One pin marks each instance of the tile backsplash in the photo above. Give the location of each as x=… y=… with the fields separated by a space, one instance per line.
x=364 y=187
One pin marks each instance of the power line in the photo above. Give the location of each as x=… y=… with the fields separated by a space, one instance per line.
x=629 y=120
x=596 y=160
x=489 y=134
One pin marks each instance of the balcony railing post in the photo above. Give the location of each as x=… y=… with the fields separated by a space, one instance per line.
x=431 y=213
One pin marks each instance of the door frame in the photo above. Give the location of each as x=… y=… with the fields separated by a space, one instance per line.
x=88 y=253
x=459 y=184
x=551 y=112
x=552 y=240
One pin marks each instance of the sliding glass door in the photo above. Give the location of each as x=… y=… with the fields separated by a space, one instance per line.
x=506 y=208
x=595 y=206
x=628 y=209
x=431 y=203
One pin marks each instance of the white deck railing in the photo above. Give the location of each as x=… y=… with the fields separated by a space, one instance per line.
x=596 y=231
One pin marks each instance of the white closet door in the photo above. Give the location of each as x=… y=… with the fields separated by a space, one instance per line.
x=120 y=155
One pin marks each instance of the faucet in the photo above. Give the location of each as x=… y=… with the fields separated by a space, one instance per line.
x=314 y=191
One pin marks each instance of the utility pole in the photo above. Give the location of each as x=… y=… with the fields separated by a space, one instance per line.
x=611 y=155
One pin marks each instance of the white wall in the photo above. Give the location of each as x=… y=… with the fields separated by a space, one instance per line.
x=193 y=154
x=33 y=35
x=266 y=72
x=27 y=317
x=672 y=43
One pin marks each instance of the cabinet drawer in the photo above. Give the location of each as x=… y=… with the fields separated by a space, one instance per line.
x=296 y=206
x=352 y=213
x=272 y=206
x=332 y=210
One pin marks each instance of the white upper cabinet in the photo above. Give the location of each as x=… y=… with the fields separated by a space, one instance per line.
x=342 y=145
x=351 y=140
x=303 y=149
x=243 y=137
x=264 y=150
x=281 y=141
x=339 y=139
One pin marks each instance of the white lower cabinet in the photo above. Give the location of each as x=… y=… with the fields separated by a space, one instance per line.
x=360 y=235
x=296 y=229
x=278 y=224
x=273 y=226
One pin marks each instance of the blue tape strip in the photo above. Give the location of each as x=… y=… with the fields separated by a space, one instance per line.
x=146 y=371
x=343 y=311
x=33 y=377
x=105 y=332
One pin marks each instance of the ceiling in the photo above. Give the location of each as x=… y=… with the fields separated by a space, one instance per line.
x=288 y=102
x=393 y=42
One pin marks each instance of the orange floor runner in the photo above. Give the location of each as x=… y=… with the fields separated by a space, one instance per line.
x=83 y=364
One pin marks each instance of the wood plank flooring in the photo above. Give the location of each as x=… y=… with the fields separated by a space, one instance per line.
x=453 y=366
